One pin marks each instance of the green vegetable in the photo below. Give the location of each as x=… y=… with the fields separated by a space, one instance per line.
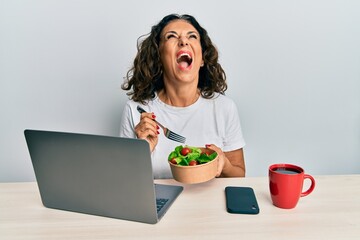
x=195 y=154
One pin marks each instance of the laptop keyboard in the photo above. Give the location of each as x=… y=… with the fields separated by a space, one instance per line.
x=160 y=202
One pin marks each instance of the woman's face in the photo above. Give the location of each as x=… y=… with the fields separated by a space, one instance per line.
x=180 y=52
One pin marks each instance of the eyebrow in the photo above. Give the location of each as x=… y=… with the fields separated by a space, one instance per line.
x=191 y=32
x=170 y=32
x=188 y=33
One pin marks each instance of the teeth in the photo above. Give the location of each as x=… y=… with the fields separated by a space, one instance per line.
x=184 y=55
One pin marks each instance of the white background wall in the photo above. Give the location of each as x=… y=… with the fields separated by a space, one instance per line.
x=293 y=68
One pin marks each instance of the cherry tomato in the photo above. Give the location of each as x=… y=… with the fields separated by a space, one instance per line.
x=193 y=163
x=205 y=153
x=185 y=151
x=173 y=161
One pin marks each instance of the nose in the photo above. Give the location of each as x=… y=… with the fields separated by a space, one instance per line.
x=183 y=41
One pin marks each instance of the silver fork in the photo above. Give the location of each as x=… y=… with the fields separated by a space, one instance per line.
x=168 y=133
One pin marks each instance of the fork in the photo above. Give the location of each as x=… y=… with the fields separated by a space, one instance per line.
x=168 y=133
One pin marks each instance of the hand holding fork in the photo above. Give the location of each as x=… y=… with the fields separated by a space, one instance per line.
x=168 y=133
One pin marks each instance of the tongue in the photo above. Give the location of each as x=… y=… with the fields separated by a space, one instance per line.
x=183 y=64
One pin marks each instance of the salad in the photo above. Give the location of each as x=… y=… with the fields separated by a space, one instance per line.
x=190 y=156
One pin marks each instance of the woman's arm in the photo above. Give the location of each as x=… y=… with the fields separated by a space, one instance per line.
x=234 y=164
x=231 y=164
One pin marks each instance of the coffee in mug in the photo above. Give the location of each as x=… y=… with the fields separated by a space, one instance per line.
x=286 y=184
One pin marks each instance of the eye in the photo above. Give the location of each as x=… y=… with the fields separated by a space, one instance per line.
x=169 y=36
x=193 y=36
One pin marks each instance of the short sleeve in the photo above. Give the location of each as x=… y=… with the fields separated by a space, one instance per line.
x=127 y=124
x=232 y=133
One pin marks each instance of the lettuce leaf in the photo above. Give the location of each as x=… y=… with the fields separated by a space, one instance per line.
x=195 y=154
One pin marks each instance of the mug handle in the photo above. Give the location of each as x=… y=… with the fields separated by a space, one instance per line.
x=312 y=186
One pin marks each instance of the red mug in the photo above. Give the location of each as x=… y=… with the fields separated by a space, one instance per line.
x=286 y=184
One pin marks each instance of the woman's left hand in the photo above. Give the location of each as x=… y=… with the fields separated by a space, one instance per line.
x=221 y=159
x=230 y=164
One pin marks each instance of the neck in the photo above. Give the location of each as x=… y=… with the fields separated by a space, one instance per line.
x=179 y=98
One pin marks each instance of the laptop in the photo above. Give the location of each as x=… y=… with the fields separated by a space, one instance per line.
x=98 y=175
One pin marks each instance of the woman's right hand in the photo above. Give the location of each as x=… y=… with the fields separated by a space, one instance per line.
x=148 y=129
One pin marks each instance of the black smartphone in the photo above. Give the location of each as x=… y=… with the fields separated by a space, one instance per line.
x=241 y=200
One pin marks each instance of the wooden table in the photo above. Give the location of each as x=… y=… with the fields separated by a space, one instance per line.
x=332 y=211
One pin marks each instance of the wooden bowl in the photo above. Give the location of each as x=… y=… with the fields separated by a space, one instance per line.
x=195 y=174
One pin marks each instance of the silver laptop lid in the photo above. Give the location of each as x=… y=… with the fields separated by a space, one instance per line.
x=99 y=175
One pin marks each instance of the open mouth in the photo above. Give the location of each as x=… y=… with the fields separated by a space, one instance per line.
x=184 y=59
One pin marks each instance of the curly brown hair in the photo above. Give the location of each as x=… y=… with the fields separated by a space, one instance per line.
x=146 y=75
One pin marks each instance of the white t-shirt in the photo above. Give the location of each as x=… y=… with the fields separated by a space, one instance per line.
x=207 y=121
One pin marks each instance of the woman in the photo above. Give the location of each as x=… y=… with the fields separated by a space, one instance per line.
x=177 y=79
